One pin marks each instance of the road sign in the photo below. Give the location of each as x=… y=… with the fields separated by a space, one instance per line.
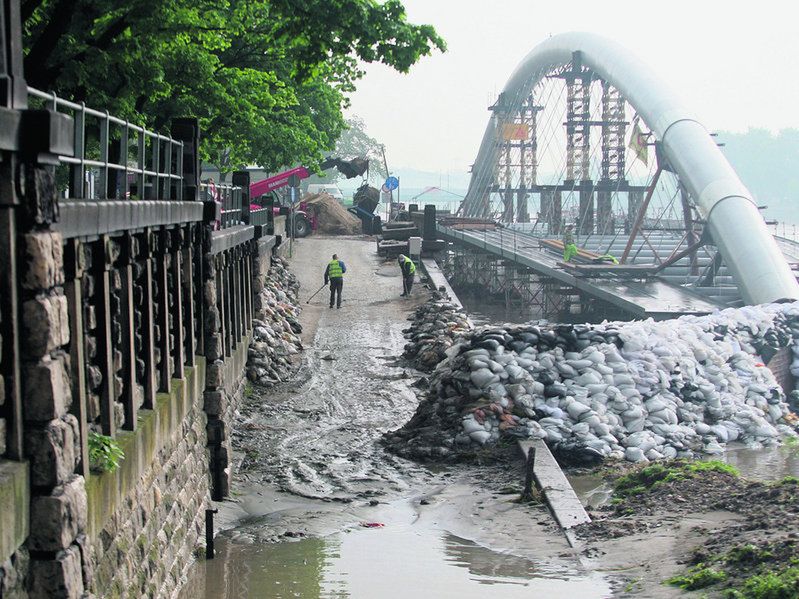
x=391 y=183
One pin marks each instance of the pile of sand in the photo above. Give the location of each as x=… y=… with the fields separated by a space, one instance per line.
x=331 y=217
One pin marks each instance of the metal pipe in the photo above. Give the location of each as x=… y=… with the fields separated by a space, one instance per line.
x=733 y=220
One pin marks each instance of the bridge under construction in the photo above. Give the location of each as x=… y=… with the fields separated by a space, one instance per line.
x=584 y=134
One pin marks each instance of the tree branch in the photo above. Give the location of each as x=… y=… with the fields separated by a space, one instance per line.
x=36 y=61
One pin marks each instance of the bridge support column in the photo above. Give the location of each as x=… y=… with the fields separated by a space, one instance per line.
x=586 y=215
x=522 y=212
x=507 y=206
x=604 y=213
x=635 y=199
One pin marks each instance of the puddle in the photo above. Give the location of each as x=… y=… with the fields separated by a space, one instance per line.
x=765 y=465
x=392 y=562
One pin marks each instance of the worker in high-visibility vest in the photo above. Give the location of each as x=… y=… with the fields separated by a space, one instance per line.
x=569 y=249
x=408 y=271
x=335 y=274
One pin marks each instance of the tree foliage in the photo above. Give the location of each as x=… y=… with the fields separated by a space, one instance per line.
x=268 y=79
x=356 y=142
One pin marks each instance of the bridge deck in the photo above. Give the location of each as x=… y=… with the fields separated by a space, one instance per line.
x=653 y=297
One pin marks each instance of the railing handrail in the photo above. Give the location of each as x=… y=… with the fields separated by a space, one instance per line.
x=159 y=157
x=58 y=101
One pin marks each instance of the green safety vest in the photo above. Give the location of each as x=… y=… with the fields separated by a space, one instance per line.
x=413 y=266
x=334 y=270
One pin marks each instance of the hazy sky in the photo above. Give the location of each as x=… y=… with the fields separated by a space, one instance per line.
x=734 y=63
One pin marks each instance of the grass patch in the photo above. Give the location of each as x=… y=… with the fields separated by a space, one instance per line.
x=105 y=454
x=789 y=480
x=748 y=554
x=698 y=577
x=768 y=585
x=644 y=479
x=248 y=390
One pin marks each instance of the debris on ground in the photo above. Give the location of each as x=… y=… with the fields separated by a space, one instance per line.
x=638 y=391
x=331 y=217
x=276 y=327
x=435 y=324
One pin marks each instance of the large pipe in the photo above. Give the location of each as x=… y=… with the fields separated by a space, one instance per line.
x=751 y=253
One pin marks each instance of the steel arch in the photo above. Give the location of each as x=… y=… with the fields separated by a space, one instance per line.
x=739 y=231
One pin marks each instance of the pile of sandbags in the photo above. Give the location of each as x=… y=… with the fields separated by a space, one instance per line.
x=436 y=323
x=276 y=327
x=638 y=391
x=331 y=217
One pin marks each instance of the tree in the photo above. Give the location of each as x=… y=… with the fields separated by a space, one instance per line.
x=268 y=79
x=355 y=142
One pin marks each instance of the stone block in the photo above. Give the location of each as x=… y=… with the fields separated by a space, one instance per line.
x=45 y=325
x=85 y=548
x=215 y=374
x=51 y=451
x=44 y=260
x=215 y=430
x=57 y=519
x=59 y=577
x=46 y=389
x=213 y=347
x=214 y=402
x=14 y=573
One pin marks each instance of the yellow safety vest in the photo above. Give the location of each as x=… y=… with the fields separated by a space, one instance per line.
x=412 y=270
x=334 y=270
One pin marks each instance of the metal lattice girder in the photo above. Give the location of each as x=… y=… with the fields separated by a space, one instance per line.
x=578 y=125
x=517 y=160
x=614 y=129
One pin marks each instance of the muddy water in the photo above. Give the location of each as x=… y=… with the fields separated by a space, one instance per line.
x=408 y=556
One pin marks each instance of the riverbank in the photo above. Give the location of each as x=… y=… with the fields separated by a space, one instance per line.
x=327 y=501
x=321 y=507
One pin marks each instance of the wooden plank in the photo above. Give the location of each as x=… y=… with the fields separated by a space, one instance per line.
x=561 y=498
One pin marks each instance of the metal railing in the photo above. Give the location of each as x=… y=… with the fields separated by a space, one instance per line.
x=229 y=200
x=115 y=159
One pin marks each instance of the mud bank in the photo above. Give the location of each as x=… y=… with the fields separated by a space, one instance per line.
x=677 y=526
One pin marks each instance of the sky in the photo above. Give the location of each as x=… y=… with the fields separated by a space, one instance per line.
x=732 y=62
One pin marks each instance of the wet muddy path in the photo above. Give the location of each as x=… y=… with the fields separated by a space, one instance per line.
x=321 y=510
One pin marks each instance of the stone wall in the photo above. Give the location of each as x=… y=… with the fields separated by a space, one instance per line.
x=14 y=527
x=146 y=520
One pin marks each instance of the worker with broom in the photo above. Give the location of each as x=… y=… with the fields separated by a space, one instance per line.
x=408 y=271
x=335 y=274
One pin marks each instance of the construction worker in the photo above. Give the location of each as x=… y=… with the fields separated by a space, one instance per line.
x=606 y=258
x=335 y=274
x=408 y=271
x=569 y=249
